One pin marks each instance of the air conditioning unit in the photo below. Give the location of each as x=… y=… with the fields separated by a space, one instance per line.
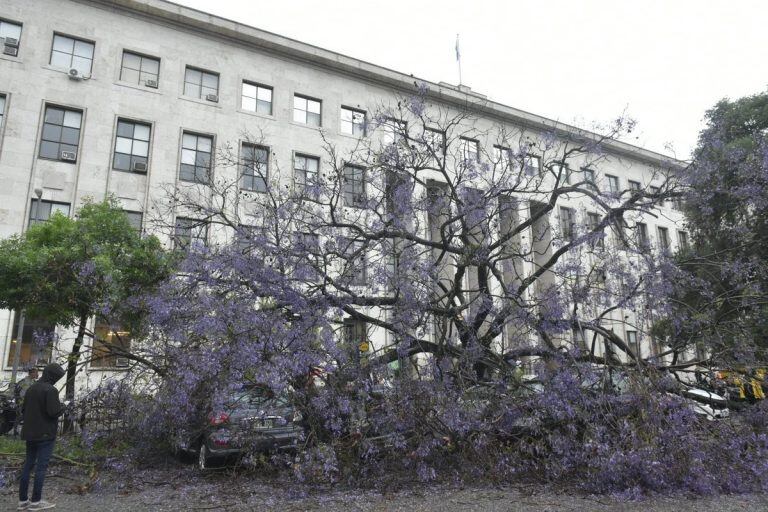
x=11 y=41
x=212 y=97
x=75 y=74
x=139 y=166
x=69 y=156
x=122 y=362
x=152 y=84
x=13 y=51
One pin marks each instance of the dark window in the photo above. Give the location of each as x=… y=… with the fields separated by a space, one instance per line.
x=632 y=343
x=10 y=37
x=61 y=134
x=195 y=157
x=682 y=240
x=255 y=167
x=257 y=98
x=47 y=210
x=71 y=53
x=634 y=185
x=590 y=179
x=613 y=184
x=305 y=171
x=654 y=190
x=135 y=219
x=200 y=84
x=663 y=239
x=190 y=234
x=306 y=110
x=354 y=185
x=642 y=235
x=532 y=165
x=470 y=149
x=395 y=131
x=354 y=261
x=567 y=219
x=355 y=333
x=435 y=141
x=140 y=69
x=110 y=343
x=36 y=341
x=131 y=146
x=352 y=121
x=593 y=220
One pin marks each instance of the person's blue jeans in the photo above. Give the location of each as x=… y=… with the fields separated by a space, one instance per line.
x=38 y=455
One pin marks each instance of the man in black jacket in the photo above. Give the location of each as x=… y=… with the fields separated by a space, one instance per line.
x=41 y=410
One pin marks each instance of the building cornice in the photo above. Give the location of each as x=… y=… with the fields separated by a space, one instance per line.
x=458 y=96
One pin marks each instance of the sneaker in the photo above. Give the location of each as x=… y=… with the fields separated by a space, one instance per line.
x=23 y=505
x=40 y=505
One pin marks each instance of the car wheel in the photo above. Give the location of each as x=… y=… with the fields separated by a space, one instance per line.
x=202 y=458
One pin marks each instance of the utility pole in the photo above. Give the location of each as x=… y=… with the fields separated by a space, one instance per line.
x=20 y=330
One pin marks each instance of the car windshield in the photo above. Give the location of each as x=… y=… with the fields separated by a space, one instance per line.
x=256 y=395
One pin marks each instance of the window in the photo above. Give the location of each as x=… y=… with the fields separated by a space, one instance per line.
x=190 y=234
x=632 y=343
x=37 y=338
x=642 y=235
x=532 y=165
x=354 y=185
x=589 y=178
x=352 y=121
x=61 y=134
x=470 y=150
x=356 y=335
x=395 y=131
x=109 y=343
x=305 y=171
x=354 y=261
x=131 y=146
x=613 y=184
x=682 y=241
x=140 y=69
x=562 y=172
x=435 y=141
x=201 y=84
x=567 y=218
x=195 y=157
x=135 y=219
x=306 y=247
x=47 y=210
x=634 y=186
x=255 y=167
x=257 y=98
x=677 y=203
x=10 y=36
x=503 y=157
x=593 y=221
x=663 y=238
x=306 y=110
x=71 y=53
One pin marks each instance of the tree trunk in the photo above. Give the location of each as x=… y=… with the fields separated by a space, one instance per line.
x=72 y=360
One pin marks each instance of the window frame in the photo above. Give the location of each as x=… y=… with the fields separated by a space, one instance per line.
x=351 y=197
x=613 y=184
x=665 y=242
x=72 y=55
x=466 y=144
x=18 y=24
x=307 y=112
x=192 y=225
x=259 y=86
x=567 y=232
x=110 y=360
x=32 y=220
x=133 y=140
x=683 y=242
x=203 y=73
x=197 y=135
x=356 y=266
x=642 y=237
x=593 y=220
x=361 y=131
x=140 y=71
x=252 y=164
x=298 y=185
x=61 y=127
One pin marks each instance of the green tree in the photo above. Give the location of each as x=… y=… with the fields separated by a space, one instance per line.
x=67 y=271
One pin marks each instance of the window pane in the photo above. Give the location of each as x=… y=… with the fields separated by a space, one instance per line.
x=84 y=49
x=51 y=132
x=70 y=135
x=129 y=75
x=61 y=60
x=249 y=104
x=122 y=162
x=313 y=119
x=193 y=76
x=72 y=119
x=150 y=65
x=63 y=44
x=313 y=106
x=299 y=103
x=204 y=144
x=123 y=145
x=10 y=30
x=192 y=90
x=131 y=60
x=54 y=115
x=188 y=156
x=299 y=116
x=249 y=90
x=211 y=80
x=265 y=94
x=141 y=132
x=189 y=141
x=49 y=149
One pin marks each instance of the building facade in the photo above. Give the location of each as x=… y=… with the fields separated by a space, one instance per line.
x=129 y=97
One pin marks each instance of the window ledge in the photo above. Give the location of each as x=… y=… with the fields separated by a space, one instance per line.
x=270 y=117
x=307 y=126
x=132 y=173
x=201 y=101
x=66 y=72
x=11 y=59
x=137 y=87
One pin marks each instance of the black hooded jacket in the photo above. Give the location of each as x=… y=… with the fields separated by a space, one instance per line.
x=42 y=406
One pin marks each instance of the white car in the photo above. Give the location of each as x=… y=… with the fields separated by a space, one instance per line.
x=710 y=405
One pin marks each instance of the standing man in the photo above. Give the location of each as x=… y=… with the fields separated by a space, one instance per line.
x=41 y=410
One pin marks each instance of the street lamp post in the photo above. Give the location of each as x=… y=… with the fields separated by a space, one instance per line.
x=20 y=330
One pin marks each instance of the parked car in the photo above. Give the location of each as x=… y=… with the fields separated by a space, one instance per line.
x=252 y=419
x=706 y=403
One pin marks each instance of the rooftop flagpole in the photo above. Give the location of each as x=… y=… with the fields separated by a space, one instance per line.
x=458 y=57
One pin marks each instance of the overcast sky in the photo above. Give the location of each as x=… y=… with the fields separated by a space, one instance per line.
x=663 y=62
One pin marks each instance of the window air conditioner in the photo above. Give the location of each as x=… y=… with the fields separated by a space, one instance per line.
x=69 y=156
x=10 y=50
x=212 y=97
x=140 y=166
x=122 y=362
x=11 y=41
x=152 y=84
